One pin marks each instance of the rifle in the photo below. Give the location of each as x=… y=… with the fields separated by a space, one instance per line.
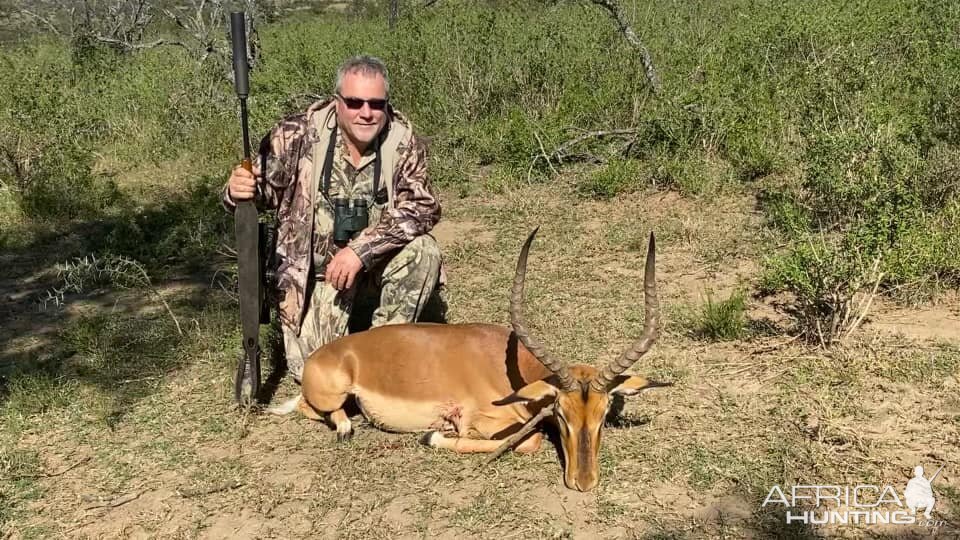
x=249 y=235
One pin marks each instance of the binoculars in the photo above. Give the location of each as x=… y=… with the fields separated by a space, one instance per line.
x=349 y=217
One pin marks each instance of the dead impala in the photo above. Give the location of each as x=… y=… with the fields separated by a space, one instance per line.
x=475 y=383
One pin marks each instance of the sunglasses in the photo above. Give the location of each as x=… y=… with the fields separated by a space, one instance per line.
x=377 y=104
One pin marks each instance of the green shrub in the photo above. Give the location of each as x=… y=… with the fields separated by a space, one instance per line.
x=11 y=220
x=832 y=281
x=187 y=229
x=722 y=320
x=616 y=176
x=63 y=186
x=854 y=103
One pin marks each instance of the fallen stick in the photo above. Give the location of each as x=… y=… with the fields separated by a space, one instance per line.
x=527 y=428
x=119 y=501
x=225 y=486
x=561 y=151
x=58 y=473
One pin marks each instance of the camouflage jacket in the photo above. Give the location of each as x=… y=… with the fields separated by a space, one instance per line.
x=294 y=151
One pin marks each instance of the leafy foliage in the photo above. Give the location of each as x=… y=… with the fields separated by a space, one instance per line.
x=842 y=117
x=723 y=320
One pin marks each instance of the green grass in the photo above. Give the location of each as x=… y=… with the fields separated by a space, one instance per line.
x=717 y=433
x=839 y=120
x=19 y=469
x=849 y=120
x=723 y=320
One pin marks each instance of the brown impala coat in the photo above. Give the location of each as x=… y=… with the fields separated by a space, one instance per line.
x=477 y=383
x=450 y=370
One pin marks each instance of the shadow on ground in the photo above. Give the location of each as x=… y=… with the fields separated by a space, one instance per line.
x=121 y=340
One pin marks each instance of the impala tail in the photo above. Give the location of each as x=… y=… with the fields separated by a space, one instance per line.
x=286 y=407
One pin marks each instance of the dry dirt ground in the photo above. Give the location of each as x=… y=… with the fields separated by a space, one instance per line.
x=160 y=451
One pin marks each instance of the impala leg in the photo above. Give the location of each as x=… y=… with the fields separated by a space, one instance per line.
x=342 y=422
x=332 y=406
x=326 y=387
x=464 y=445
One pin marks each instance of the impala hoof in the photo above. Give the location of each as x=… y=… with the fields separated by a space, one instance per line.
x=427 y=438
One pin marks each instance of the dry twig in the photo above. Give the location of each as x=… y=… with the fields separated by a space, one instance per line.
x=120 y=271
x=561 y=152
x=58 y=473
x=130 y=46
x=223 y=486
x=865 y=304
x=543 y=154
x=119 y=501
x=527 y=428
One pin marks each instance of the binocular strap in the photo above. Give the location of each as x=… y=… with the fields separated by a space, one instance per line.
x=328 y=166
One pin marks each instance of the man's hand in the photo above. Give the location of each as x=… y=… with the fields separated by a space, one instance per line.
x=342 y=270
x=243 y=183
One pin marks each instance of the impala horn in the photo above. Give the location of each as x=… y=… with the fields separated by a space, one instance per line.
x=520 y=328
x=651 y=326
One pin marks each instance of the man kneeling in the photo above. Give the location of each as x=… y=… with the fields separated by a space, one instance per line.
x=348 y=178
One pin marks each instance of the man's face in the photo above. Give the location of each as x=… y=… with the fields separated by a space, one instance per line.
x=362 y=121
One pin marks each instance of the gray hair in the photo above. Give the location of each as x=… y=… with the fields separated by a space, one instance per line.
x=364 y=64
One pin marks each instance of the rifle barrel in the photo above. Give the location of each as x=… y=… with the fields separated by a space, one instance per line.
x=246 y=131
x=238 y=35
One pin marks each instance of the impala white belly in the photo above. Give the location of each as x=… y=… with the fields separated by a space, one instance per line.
x=405 y=415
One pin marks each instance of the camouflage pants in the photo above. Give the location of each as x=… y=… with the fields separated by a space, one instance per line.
x=403 y=289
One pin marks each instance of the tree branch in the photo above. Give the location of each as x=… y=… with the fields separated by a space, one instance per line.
x=394 y=14
x=45 y=21
x=625 y=28
x=138 y=46
x=561 y=151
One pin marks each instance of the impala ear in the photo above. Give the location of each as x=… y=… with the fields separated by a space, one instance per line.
x=534 y=391
x=625 y=385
